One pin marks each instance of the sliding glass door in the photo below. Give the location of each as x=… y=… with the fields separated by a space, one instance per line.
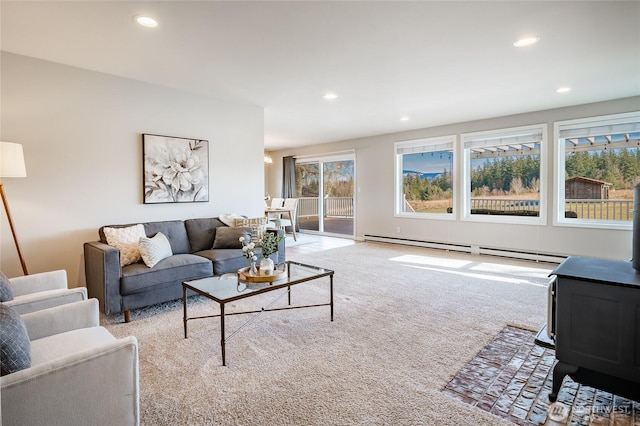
x=325 y=189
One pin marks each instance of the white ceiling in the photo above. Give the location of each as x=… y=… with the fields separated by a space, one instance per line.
x=436 y=62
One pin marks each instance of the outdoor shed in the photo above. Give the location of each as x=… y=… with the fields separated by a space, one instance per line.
x=582 y=188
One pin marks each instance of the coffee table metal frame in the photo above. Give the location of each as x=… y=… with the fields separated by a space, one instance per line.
x=197 y=286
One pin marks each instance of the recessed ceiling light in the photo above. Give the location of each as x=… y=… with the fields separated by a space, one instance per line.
x=404 y=118
x=146 y=21
x=563 y=90
x=527 y=41
x=330 y=96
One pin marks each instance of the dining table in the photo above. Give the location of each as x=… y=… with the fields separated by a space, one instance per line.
x=280 y=211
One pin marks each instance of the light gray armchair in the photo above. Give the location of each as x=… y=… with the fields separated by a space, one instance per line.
x=80 y=374
x=43 y=290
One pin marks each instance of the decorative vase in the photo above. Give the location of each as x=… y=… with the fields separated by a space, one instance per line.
x=266 y=266
x=252 y=269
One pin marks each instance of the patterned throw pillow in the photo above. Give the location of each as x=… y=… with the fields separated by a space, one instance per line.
x=153 y=250
x=15 y=347
x=257 y=225
x=126 y=240
x=6 y=293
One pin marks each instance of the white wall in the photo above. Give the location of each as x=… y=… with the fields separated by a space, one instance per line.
x=81 y=133
x=375 y=179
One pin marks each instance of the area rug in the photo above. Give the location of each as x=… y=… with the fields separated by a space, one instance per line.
x=511 y=377
x=407 y=320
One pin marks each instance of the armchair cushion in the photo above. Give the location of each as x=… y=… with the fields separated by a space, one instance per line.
x=15 y=348
x=63 y=318
x=68 y=343
x=5 y=288
x=42 y=281
x=42 y=290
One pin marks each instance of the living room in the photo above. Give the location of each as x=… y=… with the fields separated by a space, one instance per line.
x=81 y=124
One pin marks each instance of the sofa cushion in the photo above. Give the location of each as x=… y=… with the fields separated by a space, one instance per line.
x=202 y=232
x=154 y=249
x=6 y=294
x=179 y=267
x=175 y=232
x=126 y=240
x=15 y=348
x=226 y=260
x=229 y=238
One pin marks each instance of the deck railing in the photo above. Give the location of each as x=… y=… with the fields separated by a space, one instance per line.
x=505 y=204
x=333 y=206
x=616 y=210
x=601 y=209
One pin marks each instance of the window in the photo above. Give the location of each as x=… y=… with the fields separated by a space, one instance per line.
x=502 y=175
x=598 y=164
x=425 y=177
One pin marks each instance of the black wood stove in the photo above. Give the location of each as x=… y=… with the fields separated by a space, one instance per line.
x=594 y=325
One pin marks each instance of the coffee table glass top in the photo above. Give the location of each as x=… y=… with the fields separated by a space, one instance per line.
x=227 y=287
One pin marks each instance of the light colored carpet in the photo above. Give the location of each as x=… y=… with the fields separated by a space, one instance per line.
x=406 y=320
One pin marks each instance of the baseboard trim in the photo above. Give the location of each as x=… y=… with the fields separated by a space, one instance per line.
x=490 y=251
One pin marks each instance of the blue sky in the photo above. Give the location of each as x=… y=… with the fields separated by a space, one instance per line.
x=427 y=162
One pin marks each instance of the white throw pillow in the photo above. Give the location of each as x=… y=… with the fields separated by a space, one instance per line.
x=257 y=225
x=154 y=249
x=229 y=218
x=126 y=240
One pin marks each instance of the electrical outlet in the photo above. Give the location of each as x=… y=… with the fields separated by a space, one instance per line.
x=398 y=229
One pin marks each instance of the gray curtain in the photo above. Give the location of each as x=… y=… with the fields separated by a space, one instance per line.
x=289 y=179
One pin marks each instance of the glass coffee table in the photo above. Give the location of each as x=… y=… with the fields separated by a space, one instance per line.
x=229 y=288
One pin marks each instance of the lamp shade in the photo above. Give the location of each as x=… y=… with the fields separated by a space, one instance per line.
x=12 y=160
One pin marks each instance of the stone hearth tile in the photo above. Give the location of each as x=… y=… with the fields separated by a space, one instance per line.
x=511 y=378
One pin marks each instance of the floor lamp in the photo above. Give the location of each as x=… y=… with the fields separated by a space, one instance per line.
x=12 y=165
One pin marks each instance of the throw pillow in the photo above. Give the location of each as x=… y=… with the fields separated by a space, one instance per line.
x=257 y=225
x=154 y=249
x=229 y=238
x=15 y=347
x=6 y=293
x=229 y=218
x=126 y=239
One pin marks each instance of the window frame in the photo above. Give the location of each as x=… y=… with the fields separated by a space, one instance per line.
x=560 y=166
x=510 y=132
x=451 y=140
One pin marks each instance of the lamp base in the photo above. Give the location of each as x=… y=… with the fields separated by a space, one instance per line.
x=13 y=231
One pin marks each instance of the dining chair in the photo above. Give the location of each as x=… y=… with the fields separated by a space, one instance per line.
x=290 y=204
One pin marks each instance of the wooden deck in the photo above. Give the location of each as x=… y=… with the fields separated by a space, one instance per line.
x=332 y=225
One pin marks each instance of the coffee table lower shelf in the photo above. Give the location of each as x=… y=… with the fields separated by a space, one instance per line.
x=217 y=289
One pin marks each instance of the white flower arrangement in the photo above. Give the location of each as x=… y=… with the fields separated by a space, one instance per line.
x=247 y=249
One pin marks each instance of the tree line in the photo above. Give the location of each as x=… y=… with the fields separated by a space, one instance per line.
x=620 y=167
x=516 y=175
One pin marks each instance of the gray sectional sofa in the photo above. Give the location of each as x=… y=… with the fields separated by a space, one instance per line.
x=122 y=288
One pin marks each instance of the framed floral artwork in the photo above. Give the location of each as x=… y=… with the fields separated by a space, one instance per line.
x=175 y=170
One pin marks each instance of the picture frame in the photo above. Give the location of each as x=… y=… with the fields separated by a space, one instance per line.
x=175 y=169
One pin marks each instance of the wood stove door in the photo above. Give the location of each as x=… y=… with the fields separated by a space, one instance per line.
x=598 y=327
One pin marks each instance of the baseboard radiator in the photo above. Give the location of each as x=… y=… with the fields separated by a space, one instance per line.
x=491 y=251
